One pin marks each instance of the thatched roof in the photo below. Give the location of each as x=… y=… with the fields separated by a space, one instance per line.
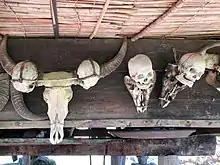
x=78 y=18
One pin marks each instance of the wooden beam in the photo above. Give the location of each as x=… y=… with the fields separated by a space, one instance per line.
x=186 y=146
x=101 y=123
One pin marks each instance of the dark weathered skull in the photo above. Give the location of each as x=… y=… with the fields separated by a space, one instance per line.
x=171 y=86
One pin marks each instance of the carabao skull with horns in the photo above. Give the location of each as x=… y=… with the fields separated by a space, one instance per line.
x=58 y=91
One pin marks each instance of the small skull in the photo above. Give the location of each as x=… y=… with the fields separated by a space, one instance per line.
x=24 y=76
x=141 y=71
x=88 y=73
x=141 y=81
x=191 y=67
x=171 y=86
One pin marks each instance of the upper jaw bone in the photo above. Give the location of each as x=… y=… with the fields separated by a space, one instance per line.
x=56 y=133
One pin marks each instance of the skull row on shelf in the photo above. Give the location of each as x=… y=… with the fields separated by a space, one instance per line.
x=178 y=76
x=25 y=77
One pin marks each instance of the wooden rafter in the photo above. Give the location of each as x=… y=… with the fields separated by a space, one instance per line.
x=100 y=19
x=191 y=18
x=53 y=10
x=16 y=17
x=158 y=20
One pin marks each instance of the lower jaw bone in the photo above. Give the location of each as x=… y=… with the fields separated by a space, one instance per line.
x=171 y=94
x=56 y=133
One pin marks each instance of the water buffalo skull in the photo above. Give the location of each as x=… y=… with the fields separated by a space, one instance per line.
x=58 y=92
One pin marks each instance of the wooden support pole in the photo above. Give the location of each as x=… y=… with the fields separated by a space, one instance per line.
x=157 y=21
x=168 y=160
x=53 y=10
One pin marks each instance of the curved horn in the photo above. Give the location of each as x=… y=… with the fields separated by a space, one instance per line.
x=114 y=63
x=20 y=107
x=207 y=47
x=6 y=62
x=4 y=90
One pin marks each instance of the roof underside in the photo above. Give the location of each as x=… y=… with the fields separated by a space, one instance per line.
x=151 y=18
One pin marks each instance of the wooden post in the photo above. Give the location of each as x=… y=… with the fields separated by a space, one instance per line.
x=117 y=160
x=168 y=160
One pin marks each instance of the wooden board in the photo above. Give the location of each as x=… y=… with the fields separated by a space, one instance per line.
x=109 y=103
x=183 y=146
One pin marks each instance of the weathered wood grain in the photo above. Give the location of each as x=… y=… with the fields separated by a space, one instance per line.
x=113 y=122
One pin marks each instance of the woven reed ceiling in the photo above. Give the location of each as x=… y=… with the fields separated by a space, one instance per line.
x=110 y=18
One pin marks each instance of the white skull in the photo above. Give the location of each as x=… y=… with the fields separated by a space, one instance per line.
x=89 y=73
x=24 y=76
x=191 y=67
x=57 y=99
x=141 y=71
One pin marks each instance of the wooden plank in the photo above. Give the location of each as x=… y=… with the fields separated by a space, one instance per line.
x=46 y=141
x=187 y=146
x=196 y=107
x=101 y=123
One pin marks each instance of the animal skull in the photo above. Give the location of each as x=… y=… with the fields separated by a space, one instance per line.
x=24 y=76
x=141 y=81
x=58 y=92
x=171 y=86
x=191 y=67
x=57 y=99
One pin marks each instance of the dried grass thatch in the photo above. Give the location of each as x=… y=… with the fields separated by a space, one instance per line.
x=112 y=18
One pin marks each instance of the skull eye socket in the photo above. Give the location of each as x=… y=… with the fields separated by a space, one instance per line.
x=140 y=76
x=149 y=74
x=172 y=79
x=192 y=70
x=31 y=86
x=169 y=98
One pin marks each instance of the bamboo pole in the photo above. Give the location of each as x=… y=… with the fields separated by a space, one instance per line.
x=100 y=19
x=157 y=21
